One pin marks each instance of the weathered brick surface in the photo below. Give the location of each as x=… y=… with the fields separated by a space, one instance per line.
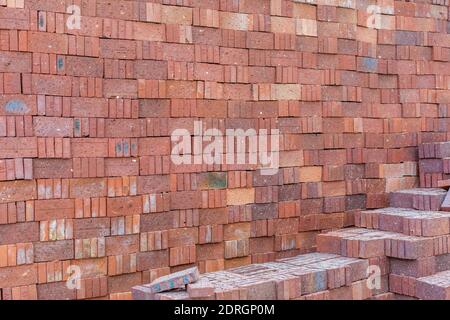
x=86 y=117
x=298 y=277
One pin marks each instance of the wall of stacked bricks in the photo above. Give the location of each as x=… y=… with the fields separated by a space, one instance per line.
x=86 y=115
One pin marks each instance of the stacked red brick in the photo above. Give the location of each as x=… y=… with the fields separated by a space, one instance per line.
x=86 y=115
x=407 y=246
x=412 y=237
x=434 y=164
x=314 y=276
x=412 y=244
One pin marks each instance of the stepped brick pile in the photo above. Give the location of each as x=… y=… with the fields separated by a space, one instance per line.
x=407 y=246
x=91 y=90
x=419 y=199
x=434 y=164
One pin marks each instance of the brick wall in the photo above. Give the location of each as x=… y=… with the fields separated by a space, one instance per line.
x=87 y=185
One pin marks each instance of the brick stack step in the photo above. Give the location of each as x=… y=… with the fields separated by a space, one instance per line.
x=418 y=198
x=434 y=287
x=415 y=244
x=411 y=238
x=411 y=249
x=309 y=276
x=409 y=258
x=406 y=275
x=367 y=243
x=170 y=282
x=408 y=243
x=434 y=164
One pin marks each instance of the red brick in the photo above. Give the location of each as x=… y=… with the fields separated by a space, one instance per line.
x=15 y=62
x=200 y=289
x=124 y=206
x=181 y=89
x=185 y=200
x=51 y=85
x=260 y=40
x=52 y=168
x=122 y=245
x=18 y=105
x=18 y=276
x=149 y=32
x=82 y=188
x=175 y=280
x=117 y=49
x=86 y=148
x=118 y=88
x=152 y=259
x=19 y=233
x=154 y=146
x=159 y=221
x=91 y=267
x=445 y=206
x=148 y=69
x=154 y=108
x=117 y=10
x=121 y=167
x=53 y=127
x=54 y=209
x=207 y=36
x=183 y=236
x=102 y=157
x=233 y=56
x=434 y=287
x=92 y=228
x=89 y=107
x=123 y=282
x=83 y=67
x=152 y=184
x=48 y=42
x=17 y=191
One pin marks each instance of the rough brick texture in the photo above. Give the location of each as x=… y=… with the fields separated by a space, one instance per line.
x=86 y=115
